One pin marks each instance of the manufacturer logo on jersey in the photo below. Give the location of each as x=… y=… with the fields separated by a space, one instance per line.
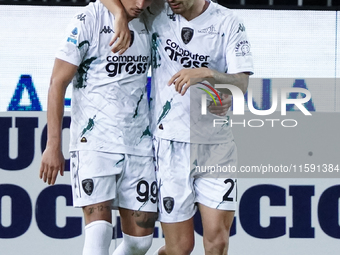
x=107 y=30
x=168 y=203
x=88 y=186
x=187 y=34
x=242 y=49
x=143 y=32
x=172 y=16
x=81 y=17
x=241 y=28
x=209 y=30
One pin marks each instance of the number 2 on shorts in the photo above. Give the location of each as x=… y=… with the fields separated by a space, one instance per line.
x=226 y=195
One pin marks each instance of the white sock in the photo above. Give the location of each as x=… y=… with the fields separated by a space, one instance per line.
x=98 y=236
x=134 y=245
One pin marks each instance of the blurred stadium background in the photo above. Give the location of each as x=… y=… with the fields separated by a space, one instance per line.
x=238 y=4
x=298 y=40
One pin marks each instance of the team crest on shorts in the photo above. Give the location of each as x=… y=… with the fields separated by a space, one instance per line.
x=88 y=186
x=168 y=203
x=187 y=34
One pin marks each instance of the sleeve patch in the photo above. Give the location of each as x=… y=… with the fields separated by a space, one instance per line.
x=73 y=37
x=242 y=49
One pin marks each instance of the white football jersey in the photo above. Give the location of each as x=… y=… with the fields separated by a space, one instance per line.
x=216 y=39
x=109 y=101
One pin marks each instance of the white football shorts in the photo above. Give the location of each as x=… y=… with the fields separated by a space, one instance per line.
x=194 y=173
x=128 y=180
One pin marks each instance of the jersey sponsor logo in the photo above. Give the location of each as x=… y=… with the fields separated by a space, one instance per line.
x=209 y=30
x=241 y=28
x=186 y=58
x=81 y=17
x=168 y=203
x=107 y=30
x=88 y=186
x=128 y=64
x=172 y=16
x=242 y=49
x=187 y=34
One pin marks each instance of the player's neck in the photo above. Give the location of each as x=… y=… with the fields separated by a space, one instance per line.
x=197 y=9
x=129 y=18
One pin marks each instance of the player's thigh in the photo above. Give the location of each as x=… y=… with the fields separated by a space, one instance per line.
x=137 y=223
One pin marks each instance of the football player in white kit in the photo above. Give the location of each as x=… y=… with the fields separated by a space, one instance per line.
x=194 y=41
x=110 y=145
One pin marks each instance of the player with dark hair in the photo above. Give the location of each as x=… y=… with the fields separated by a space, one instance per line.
x=194 y=41
x=111 y=148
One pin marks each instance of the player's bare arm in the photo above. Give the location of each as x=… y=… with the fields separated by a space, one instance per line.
x=122 y=35
x=187 y=77
x=52 y=159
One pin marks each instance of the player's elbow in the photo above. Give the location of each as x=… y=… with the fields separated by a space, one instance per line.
x=243 y=81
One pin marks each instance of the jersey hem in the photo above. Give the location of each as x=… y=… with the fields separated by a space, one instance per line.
x=118 y=151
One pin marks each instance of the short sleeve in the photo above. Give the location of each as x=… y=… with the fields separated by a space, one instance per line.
x=238 y=48
x=77 y=39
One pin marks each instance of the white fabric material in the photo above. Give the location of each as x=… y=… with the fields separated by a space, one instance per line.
x=109 y=99
x=134 y=245
x=98 y=236
x=183 y=178
x=218 y=41
x=128 y=180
